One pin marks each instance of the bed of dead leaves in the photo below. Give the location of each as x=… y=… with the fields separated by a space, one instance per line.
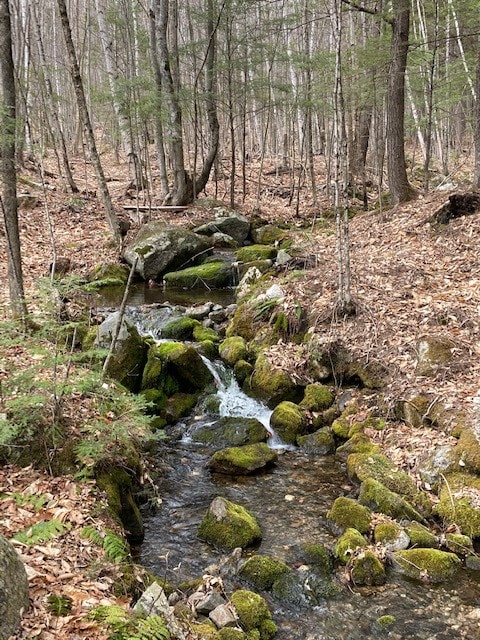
x=409 y=279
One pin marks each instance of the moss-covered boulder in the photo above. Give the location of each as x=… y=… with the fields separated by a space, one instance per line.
x=242 y=371
x=156 y=399
x=233 y=349
x=348 y=543
x=202 y=334
x=391 y=535
x=459 y=500
x=180 y=329
x=434 y=352
x=13 y=589
x=268 y=234
x=271 y=383
x=159 y=248
x=341 y=427
x=357 y=443
x=231 y=223
x=230 y=432
x=366 y=568
x=347 y=513
x=459 y=544
x=227 y=525
x=238 y=461
x=262 y=571
x=420 y=536
x=376 y=496
x=129 y=355
x=230 y=633
x=320 y=443
x=243 y=322
x=107 y=275
x=288 y=421
x=255 y=252
x=178 y=406
x=173 y=367
x=427 y=565
x=318 y=555
x=209 y=275
x=117 y=484
x=466 y=453
x=253 y=614
x=317 y=397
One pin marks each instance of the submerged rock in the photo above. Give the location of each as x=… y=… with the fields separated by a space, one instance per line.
x=228 y=525
x=242 y=460
x=254 y=614
x=230 y=432
x=427 y=565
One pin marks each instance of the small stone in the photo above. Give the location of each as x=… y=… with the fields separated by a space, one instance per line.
x=209 y=602
x=199 y=312
x=223 y=616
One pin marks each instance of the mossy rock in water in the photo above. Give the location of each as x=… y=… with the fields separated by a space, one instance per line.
x=376 y=496
x=185 y=365
x=317 y=397
x=253 y=613
x=268 y=234
x=201 y=333
x=318 y=555
x=357 y=443
x=107 y=275
x=208 y=349
x=366 y=568
x=156 y=399
x=233 y=349
x=255 y=252
x=458 y=504
x=427 y=565
x=319 y=443
x=348 y=542
x=209 y=275
x=242 y=371
x=289 y=421
x=230 y=633
x=362 y=466
x=245 y=460
x=230 y=432
x=262 y=571
x=420 y=536
x=391 y=535
x=459 y=544
x=271 y=383
x=179 y=405
x=117 y=484
x=346 y=513
x=227 y=525
x=180 y=329
x=290 y=588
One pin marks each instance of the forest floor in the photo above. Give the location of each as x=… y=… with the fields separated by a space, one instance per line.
x=410 y=278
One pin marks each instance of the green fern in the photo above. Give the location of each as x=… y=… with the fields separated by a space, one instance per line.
x=90 y=533
x=59 y=605
x=264 y=308
x=152 y=628
x=42 y=532
x=114 y=618
x=115 y=547
x=36 y=501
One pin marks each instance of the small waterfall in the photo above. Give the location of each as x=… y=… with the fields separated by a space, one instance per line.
x=235 y=403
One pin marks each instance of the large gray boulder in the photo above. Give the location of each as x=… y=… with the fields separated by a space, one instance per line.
x=161 y=248
x=13 y=589
x=234 y=225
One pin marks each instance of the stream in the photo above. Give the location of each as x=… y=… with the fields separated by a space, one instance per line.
x=290 y=503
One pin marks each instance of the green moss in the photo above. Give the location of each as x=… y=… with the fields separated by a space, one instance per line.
x=156 y=399
x=268 y=234
x=387 y=532
x=205 y=630
x=467 y=452
x=117 y=484
x=128 y=360
x=348 y=542
x=230 y=431
x=366 y=568
x=320 y=442
x=289 y=421
x=253 y=613
x=357 y=443
x=242 y=460
x=243 y=323
x=459 y=544
x=377 y=497
x=229 y=633
x=228 y=525
x=458 y=497
x=271 y=383
x=341 y=427
x=233 y=349
x=180 y=329
x=346 y=513
x=420 y=536
x=317 y=397
x=385 y=621
x=255 y=252
x=317 y=555
x=242 y=371
x=262 y=571
x=208 y=349
x=209 y=275
x=107 y=275
x=179 y=405
x=428 y=565
x=201 y=333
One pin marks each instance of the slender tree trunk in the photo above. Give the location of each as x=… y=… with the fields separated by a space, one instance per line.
x=400 y=188
x=7 y=165
x=476 y=176
x=86 y=122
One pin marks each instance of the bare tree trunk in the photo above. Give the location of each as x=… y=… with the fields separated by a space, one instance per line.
x=7 y=165
x=86 y=122
x=476 y=176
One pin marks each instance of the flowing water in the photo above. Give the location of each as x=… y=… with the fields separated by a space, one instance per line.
x=290 y=503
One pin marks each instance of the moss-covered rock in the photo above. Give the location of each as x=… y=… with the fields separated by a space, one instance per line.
x=237 y=461
x=117 y=484
x=255 y=252
x=434 y=352
x=201 y=333
x=290 y=588
x=174 y=366
x=253 y=613
x=227 y=525
x=341 y=427
x=243 y=322
x=180 y=328
x=375 y=496
x=459 y=496
x=107 y=275
x=289 y=421
x=209 y=275
x=318 y=555
x=321 y=442
x=391 y=535
x=459 y=544
x=233 y=349
x=349 y=541
x=384 y=622
x=357 y=443
x=231 y=633
x=346 y=513
x=262 y=571
x=428 y=565
x=208 y=349
x=466 y=453
x=242 y=371
x=230 y=432
x=268 y=234
x=317 y=397
x=178 y=406
x=271 y=383
x=156 y=399
x=366 y=568
x=420 y=536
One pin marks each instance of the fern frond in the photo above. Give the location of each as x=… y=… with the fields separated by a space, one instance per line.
x=90 y=533
x=116 y=548
x=42 y=531
x=152 y=628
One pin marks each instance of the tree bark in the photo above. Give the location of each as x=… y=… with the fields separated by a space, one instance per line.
x=7 y=164
x=476 y=175
x=86 y=122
